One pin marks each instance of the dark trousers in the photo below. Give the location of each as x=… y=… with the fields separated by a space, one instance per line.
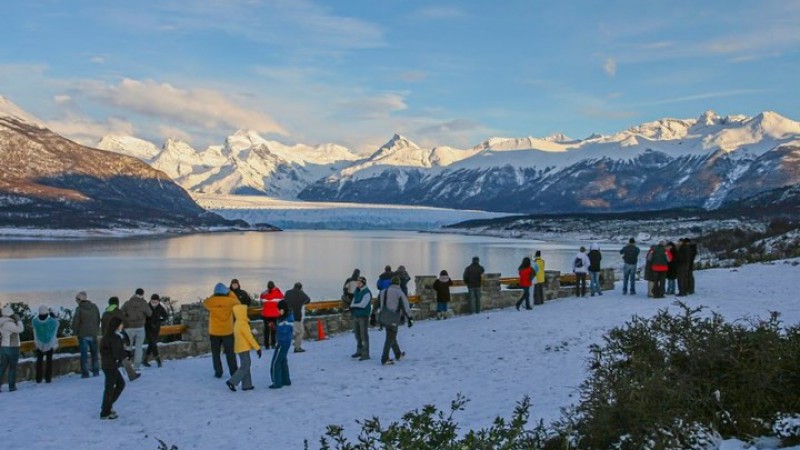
x=279 y=368
x=269 y=333
x=658 y=288
x=44 y=364
x=115 y=384
x=361 y=331
x=152 y=342
x=390 y=343
x=538 y=294
x=580 y=284
x=690 y=282
x=226 y=343
x=526 y=297
x=683 y=279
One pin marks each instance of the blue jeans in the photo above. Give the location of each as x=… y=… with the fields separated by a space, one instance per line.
x=441 y=306
x=9 y=357
x=629 y=273
x=671 y=286
x=279 y=369
x=86 y=345
x=594 y=282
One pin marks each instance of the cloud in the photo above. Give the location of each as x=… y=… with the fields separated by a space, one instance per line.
x=456 y=125
x=610 y=67
x=375 y=107
x=169 y=132
x=97 y=60
x=87 y=131
x=195 y=107
x=62 y=99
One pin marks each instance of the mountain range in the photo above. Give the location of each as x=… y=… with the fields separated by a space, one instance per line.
x=49 y=181
x=668 y=163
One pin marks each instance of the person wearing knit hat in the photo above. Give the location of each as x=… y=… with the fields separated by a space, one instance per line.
x=113 y=351
x=45 y=336
x=152 y=328
x=220 y=327
x=85 y=326
x=10 y=328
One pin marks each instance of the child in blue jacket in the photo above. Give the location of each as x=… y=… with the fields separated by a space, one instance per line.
x=279 y=369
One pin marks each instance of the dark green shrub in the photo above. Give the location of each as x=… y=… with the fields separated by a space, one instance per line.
x=681 y=381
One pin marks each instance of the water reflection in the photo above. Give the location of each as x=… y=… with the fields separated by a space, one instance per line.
x=187 y=267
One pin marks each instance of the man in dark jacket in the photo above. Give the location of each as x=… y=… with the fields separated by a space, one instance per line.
x=360 y=308
x=152 y=328
x=385 y=279
x=85 y=325
x=630 y=256
x=692 y=256
x=472 y=278
x=684 y=258
x=241 y=294
x=295 y=299
x=113 y=311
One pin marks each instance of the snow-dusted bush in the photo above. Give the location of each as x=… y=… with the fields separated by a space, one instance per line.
x=680 y=381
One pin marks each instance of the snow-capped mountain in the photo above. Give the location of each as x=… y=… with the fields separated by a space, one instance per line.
x=661 y=164
x=49 y=181
x=245 y=164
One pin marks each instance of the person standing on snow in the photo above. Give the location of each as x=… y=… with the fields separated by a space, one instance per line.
x=152 y=328
x=45 y=335
x=112 y=350
x=110 y=312
x=659 y=258
x=295 y=300
x=594 y=269
x=270 y=313
x=349 y=288
x=243 y=342
x=442 y=287
x=279 y=367
x=402 y=273
x=473 y=279
x=538 y=288
x=136 y=312
x=10 y=328
x=580 y=267
x=526 y=276
x=220 y=327
x=630 y=258
x=360 y=308
x=85 y=325
x=395 y=304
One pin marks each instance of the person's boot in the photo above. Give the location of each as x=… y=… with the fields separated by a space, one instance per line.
x=145 y=361
x=158 y=361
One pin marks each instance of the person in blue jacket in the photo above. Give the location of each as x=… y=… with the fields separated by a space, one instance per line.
x=279 y=369
x=360 y=308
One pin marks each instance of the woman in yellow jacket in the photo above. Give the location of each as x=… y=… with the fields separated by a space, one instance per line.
x=538 y=288
x=243 y=342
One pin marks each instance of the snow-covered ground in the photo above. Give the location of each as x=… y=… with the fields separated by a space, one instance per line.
x=494 y=359
x=289 y=214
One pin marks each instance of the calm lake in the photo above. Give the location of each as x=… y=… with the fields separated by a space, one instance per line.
x=187 y=267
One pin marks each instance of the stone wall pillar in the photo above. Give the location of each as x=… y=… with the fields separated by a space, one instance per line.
x=552 y=284
x=195 y=317
x=607 y=279
x=426 y=307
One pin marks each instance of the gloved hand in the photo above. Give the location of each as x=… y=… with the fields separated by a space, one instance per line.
x=372 y=320
x=258 y=352
x=410 y=322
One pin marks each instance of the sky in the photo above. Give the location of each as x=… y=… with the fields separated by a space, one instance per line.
x=356 y=72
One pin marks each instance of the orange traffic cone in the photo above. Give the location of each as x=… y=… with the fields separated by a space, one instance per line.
x=320 y=331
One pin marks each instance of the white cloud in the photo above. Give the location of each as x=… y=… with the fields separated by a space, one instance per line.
x=169 y=132
x=97 y=60
x=62 y=99
x=198 y=107
x=88 y=131
x=374 y=107
x=610 y=67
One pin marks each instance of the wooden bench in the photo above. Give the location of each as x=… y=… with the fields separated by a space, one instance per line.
x=72 y=341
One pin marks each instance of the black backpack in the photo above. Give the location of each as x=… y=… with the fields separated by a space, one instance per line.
x=578 y=262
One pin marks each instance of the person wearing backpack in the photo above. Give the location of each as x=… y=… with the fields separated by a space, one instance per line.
x=594 y=269
x=526 y=276
x=393 y=304
x=580 y=267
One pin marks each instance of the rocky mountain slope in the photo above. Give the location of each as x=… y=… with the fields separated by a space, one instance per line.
x=663 y=164
x=49 y=181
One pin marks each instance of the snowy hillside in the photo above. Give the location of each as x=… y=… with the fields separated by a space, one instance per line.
x=494 y=359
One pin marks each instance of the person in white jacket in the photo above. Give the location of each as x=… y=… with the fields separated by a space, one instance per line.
x=10 y=328
x=580 y=267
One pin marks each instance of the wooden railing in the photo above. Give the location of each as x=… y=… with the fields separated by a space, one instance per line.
x=72 y=341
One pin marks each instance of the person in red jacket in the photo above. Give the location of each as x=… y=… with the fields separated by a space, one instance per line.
x=270 y=313
x=526 y=275
x=659 y=258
